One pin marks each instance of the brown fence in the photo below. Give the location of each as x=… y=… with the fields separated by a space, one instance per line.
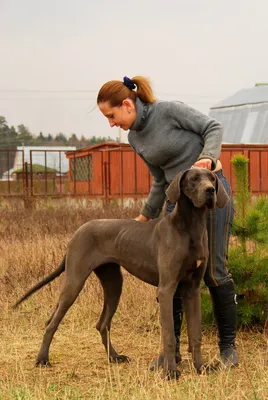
x=111 y=171
x=118 y=172
x=257 y=167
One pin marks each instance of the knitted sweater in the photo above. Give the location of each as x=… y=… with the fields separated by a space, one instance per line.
x=170 y=137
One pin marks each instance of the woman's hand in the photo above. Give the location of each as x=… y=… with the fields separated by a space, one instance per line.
x=142 y=218
x=204 y=163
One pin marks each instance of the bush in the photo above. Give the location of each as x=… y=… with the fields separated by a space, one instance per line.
x=248 y=259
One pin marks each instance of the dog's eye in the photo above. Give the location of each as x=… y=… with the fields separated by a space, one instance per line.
x=195 y=178
x=212 y=178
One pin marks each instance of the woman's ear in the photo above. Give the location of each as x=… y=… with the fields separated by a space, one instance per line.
x=128 y=103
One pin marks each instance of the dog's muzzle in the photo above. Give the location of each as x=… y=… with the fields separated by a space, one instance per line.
x=210 y=197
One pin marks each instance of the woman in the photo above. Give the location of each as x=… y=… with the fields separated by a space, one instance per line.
x=170 y=137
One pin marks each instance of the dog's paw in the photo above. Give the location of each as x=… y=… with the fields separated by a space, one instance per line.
x=202 y=369
x=157 y=363
x=172 y=375
x=43 y=363
x=119 y=358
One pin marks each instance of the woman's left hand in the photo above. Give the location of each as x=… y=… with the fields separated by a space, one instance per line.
x=142 y=218
x=204 y=163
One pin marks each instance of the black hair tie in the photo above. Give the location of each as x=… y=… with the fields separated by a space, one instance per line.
x=129 y=83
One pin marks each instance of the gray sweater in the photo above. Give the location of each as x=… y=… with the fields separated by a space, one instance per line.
x=170 y=137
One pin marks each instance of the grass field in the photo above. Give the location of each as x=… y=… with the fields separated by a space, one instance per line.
x=31 y=245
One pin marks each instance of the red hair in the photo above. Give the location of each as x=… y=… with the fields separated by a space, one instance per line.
x=115 y=92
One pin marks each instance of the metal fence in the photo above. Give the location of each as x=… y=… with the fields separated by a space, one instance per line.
x=44 y=173
x=106 y=175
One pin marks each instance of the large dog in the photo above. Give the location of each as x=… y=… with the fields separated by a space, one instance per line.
x=163 y=252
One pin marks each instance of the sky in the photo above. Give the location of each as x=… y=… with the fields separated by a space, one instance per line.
x=56 y=54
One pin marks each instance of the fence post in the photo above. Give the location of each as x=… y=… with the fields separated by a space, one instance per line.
x=26 y=185
x=106 y=183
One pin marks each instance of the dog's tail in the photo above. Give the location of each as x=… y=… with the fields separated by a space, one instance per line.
x=44 y=282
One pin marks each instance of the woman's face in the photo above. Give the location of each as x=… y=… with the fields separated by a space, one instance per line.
x=121 y=116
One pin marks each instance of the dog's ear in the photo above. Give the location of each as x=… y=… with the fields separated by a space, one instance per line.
x=174 y=190
x=222 y=196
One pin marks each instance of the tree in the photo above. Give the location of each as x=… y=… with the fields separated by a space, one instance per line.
x=41 y=137
x=13 y=137
x=248 y=260
x=10 y=138
x=2 y=121
x=73 y=141
x=83 y=142
x=4 y=132
x=61 y=138
x=248 y=257
x=25 y=135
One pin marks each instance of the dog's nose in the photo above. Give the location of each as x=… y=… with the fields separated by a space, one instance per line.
x=210 y=190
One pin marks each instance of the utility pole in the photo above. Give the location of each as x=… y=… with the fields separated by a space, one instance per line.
x=120 y=134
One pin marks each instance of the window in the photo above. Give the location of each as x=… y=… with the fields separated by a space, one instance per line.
x=81 y=168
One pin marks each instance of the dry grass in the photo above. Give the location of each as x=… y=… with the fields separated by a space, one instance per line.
x=31 y=245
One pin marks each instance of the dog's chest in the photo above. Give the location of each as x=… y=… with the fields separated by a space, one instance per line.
x=198 y=250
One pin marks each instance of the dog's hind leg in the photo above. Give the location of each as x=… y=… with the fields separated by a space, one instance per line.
x=111 y=280
x=52 y=315
x=69 y=293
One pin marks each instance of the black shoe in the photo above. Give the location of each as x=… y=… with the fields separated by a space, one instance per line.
x=229 y=357
x=225 y=310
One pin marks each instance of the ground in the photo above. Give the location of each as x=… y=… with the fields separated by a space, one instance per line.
x=32 y=244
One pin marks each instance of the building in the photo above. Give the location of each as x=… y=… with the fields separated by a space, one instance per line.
x=113 y=170
x=244 y=116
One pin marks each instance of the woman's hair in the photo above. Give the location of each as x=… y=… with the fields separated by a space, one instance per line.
x=117 y=91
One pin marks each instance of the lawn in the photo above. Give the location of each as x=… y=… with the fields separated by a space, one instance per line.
x=32 y=244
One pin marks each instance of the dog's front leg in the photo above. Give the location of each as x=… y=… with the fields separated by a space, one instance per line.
x=192 y=305
x=165 y=297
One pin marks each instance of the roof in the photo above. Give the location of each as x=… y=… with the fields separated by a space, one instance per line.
x=245 y=124
x=254 y=95
x=37 y=169
x=103 y=146
x=244 y=116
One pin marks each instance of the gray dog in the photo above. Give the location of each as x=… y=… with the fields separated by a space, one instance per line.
x=163 y=252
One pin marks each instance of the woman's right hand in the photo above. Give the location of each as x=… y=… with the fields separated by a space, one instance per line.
x=142 y=218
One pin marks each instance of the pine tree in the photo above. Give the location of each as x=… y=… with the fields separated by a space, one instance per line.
x=248 y=259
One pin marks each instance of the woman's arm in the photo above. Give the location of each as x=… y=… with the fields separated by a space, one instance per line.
x=154 y=203
x=189 y=119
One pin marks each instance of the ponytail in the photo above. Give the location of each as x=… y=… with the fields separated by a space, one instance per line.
x=117 y=91
x=144 y=89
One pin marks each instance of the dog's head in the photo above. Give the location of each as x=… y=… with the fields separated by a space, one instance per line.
x=201 y=186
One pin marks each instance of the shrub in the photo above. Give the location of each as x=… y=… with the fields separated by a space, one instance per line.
x=248 y=259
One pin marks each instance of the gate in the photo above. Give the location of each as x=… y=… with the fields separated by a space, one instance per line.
x=44 y=173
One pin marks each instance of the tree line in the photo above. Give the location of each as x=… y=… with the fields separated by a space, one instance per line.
x=11 y=137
